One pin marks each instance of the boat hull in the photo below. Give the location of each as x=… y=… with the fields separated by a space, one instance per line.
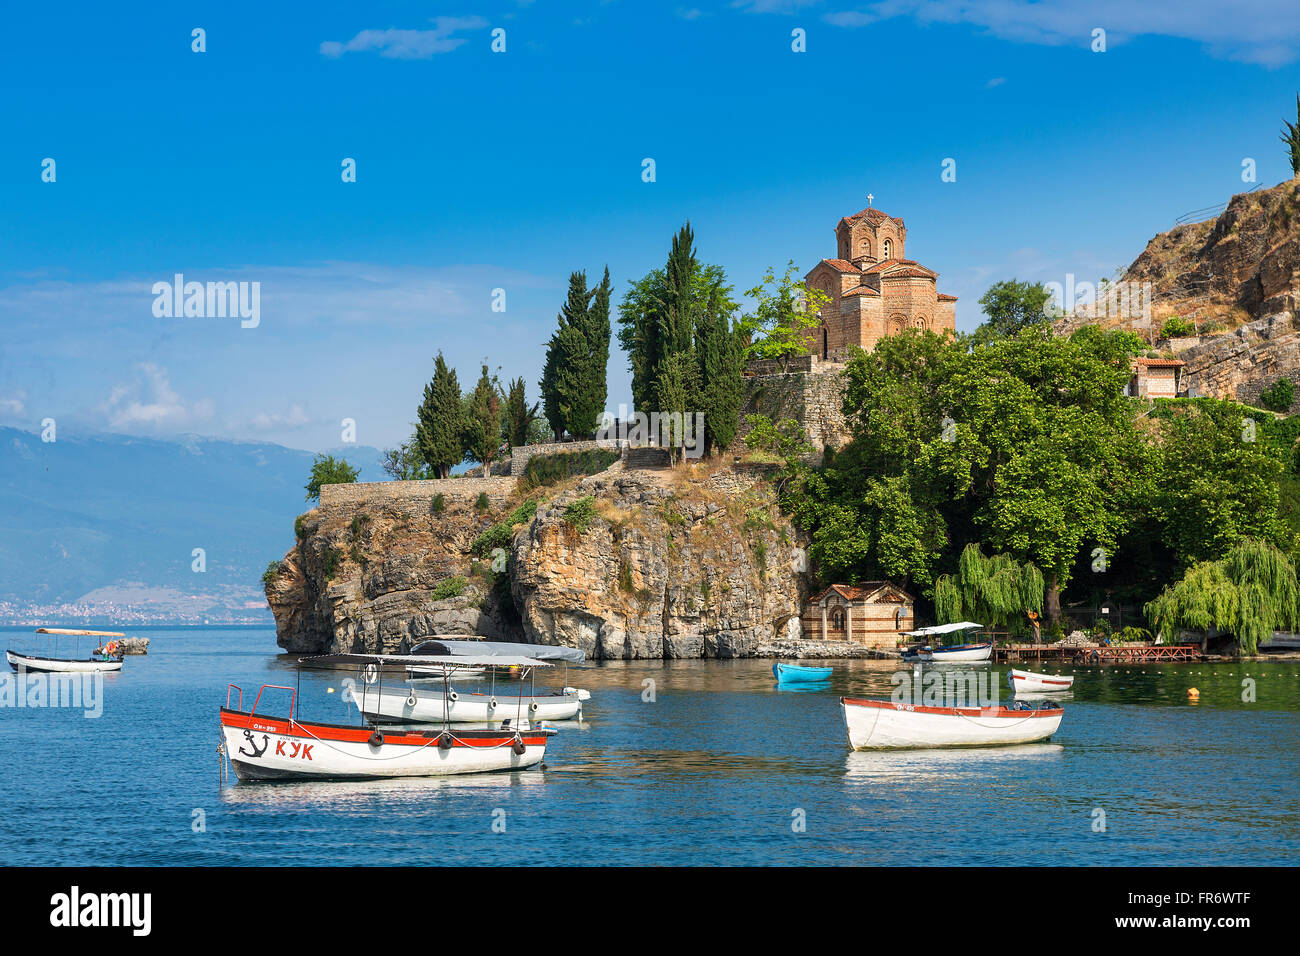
x=882 y=724
x=274 y=748
x=964 y=653
x=1027 y=682
x=794 y=673
x=425 y=706
x=54 y=665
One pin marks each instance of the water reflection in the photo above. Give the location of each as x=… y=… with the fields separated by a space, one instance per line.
x=931 y=766
x=355 y=795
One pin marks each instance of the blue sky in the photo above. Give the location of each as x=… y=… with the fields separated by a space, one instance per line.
x=478 y=170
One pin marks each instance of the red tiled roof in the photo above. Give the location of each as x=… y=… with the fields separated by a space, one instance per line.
x=945 y=297
x=886 y=263
x=875 y=215
x=862 y=290
x=858 y=592
x=1158 y=363
x=843 y=265
x=909 y=272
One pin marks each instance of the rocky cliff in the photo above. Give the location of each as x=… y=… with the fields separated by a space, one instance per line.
x=1236 y=277
x=692 y=562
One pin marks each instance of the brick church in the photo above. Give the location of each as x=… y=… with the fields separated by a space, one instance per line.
x=875 y=290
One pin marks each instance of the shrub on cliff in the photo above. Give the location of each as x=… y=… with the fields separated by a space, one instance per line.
x=498 y=536
x=544 y=470
x=325 y=470
x=579 y=513
x=1278 y=396
x=448 y=588
x=1176 y=327
x=269 y=574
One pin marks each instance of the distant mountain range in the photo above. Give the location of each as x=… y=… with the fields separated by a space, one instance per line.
x=104 y=527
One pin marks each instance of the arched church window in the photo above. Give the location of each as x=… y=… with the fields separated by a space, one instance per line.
x=897 y=322
x=889 y=248
x=837 y=619
x=919 y=322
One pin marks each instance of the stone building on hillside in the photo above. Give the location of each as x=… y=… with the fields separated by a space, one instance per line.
x=874 y=613
x=1155 y=378
x=874 y=289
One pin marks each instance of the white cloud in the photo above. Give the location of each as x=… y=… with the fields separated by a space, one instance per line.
x=1268 y=35
x=295 y=417
x=408 y=44
x=13 y=404
x=149 y=403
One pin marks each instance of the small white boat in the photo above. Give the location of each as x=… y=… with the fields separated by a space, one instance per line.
x=957 y=653
x=1027 y=682
x=962 y=653
x=880 y=724
x=434 y=705
x=59 y=665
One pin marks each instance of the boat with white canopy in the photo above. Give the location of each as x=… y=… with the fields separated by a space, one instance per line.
x=417 y=703
x=265 y=747
x=106 y=657
x=930 y=647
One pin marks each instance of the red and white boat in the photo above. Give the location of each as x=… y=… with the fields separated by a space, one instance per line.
x=879 y=724
x=265 y=747
x=1027 y=682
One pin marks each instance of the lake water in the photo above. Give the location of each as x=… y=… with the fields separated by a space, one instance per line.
x=718 y=769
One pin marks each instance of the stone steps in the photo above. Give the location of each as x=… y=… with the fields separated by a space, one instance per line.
x=647 y=458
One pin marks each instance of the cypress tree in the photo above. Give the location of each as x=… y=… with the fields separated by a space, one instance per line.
x=565 y=368
x=720 y=352
x=439 y=424
x=518 y=414
x=483 y=422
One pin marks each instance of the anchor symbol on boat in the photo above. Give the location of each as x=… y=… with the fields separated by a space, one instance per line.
x=248 y=735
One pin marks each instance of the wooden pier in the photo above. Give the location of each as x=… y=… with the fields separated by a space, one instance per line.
x=1096 y=653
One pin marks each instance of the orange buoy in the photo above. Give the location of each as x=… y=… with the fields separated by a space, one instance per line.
x=1193 y=694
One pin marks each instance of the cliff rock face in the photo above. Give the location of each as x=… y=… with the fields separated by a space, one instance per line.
x=667 y=568
x=364 y=576
x=1237 y=277
x=624 y=564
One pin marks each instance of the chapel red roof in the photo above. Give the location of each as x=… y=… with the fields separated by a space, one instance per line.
x=1158 y=363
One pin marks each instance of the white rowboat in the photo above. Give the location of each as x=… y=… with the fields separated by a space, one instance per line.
x=56 y=665
x=880 y=724
x=1028 y=682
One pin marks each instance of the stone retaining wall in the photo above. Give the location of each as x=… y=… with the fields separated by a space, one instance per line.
x=417 y=494
x=519 y=456
x=815 y=399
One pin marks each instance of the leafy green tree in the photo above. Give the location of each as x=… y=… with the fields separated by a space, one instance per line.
x=1250 y=592
x=785 y=317
x=1010 y=306
x=440 y=427
x=325 y=470
x=404 y=463
x=1291 y=137
x=995 y=591
x=517 y=415
x=1218 y=481
x=482 y=420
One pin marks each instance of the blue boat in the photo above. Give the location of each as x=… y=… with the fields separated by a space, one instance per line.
x=797 y=673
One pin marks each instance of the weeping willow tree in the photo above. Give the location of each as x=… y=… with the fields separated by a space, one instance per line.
x=988 y=590
x=1250 y=592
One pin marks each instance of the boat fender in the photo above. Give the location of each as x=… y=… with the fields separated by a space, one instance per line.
x=445 y=741
x=518 y=746
x=410 y=701
x=376 y=739
x=532 y=707
x=493 y=703
x=453 y=696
